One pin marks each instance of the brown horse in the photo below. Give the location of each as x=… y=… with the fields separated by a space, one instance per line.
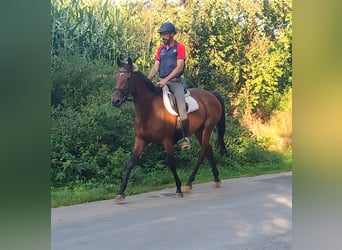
x=154 y=124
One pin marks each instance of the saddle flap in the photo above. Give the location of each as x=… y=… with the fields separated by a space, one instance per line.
x=169 y=102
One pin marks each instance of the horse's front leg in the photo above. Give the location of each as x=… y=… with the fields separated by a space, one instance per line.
x=172 y=165
x=139 y=146
x=203 y=138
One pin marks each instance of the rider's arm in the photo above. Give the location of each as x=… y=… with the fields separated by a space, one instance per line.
x=154 y=70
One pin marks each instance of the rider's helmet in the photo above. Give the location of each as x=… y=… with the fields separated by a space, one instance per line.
x=167 y=28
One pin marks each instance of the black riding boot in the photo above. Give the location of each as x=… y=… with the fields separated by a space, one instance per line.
x=185 y=142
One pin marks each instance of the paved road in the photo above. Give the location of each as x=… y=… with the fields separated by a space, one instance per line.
x=246 y=213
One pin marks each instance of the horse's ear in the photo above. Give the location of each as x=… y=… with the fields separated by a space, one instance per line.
x=130 y=63
x=120 y=64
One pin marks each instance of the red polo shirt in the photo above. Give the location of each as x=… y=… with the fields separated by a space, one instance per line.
x=180 y=50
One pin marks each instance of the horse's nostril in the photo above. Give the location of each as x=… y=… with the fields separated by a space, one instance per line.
x=116 y=102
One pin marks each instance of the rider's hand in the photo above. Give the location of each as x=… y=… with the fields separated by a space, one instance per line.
x=161 y=83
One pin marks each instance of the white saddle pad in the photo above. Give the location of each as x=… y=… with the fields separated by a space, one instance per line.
x=192 y=103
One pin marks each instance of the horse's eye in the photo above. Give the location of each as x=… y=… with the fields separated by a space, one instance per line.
x=128 y=79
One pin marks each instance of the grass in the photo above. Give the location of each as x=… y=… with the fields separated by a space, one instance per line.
x=87 y=192
x=276 y=133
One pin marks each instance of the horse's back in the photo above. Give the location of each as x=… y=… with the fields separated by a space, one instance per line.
x=210 y=109
x=207 y=100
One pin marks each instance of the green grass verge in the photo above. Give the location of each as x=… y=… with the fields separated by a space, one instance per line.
x=87 y=192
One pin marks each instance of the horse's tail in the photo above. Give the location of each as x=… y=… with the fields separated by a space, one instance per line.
x=221 y=126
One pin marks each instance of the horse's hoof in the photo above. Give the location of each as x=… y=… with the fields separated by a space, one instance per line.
x=187 y=188
x=120 y=197
x=178 y=195
x=216 y=184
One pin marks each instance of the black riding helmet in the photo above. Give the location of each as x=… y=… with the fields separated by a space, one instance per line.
x=167 y=28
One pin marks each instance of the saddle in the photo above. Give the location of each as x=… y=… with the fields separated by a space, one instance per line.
x=170 y=102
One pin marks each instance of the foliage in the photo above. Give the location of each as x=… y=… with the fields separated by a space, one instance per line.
x=276 y=133
x=75 y=79
x=88 y=144
x=241 y=49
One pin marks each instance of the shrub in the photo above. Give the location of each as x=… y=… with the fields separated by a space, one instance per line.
x=75 y=80
x=87 y=144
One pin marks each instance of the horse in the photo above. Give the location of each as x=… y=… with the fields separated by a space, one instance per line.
x=154 y=124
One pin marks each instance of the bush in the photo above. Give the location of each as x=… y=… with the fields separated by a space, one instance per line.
x=75 y=79
x=88 y=144
x=243 y=147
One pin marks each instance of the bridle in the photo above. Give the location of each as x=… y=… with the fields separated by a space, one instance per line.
x=127 y=90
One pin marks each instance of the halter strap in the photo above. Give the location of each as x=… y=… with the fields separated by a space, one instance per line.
x=126 y=92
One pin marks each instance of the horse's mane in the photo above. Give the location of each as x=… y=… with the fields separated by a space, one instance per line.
x=149 y=83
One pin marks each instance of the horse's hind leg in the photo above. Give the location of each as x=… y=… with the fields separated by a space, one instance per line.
x=188 y=186
x=203 y=139
x=210 y=157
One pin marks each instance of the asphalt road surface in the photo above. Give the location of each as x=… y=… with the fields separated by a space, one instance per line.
x=253 y=213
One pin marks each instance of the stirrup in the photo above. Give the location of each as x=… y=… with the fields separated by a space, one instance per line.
x=185 y=143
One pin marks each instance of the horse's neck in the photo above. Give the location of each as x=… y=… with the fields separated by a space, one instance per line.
x=143 y=98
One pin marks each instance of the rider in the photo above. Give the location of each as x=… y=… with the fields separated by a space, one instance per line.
x=170 y=63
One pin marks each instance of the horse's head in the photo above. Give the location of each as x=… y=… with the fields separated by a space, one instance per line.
x=124 y=81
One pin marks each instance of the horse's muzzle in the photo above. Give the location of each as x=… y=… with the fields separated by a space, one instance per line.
x=116 y=102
